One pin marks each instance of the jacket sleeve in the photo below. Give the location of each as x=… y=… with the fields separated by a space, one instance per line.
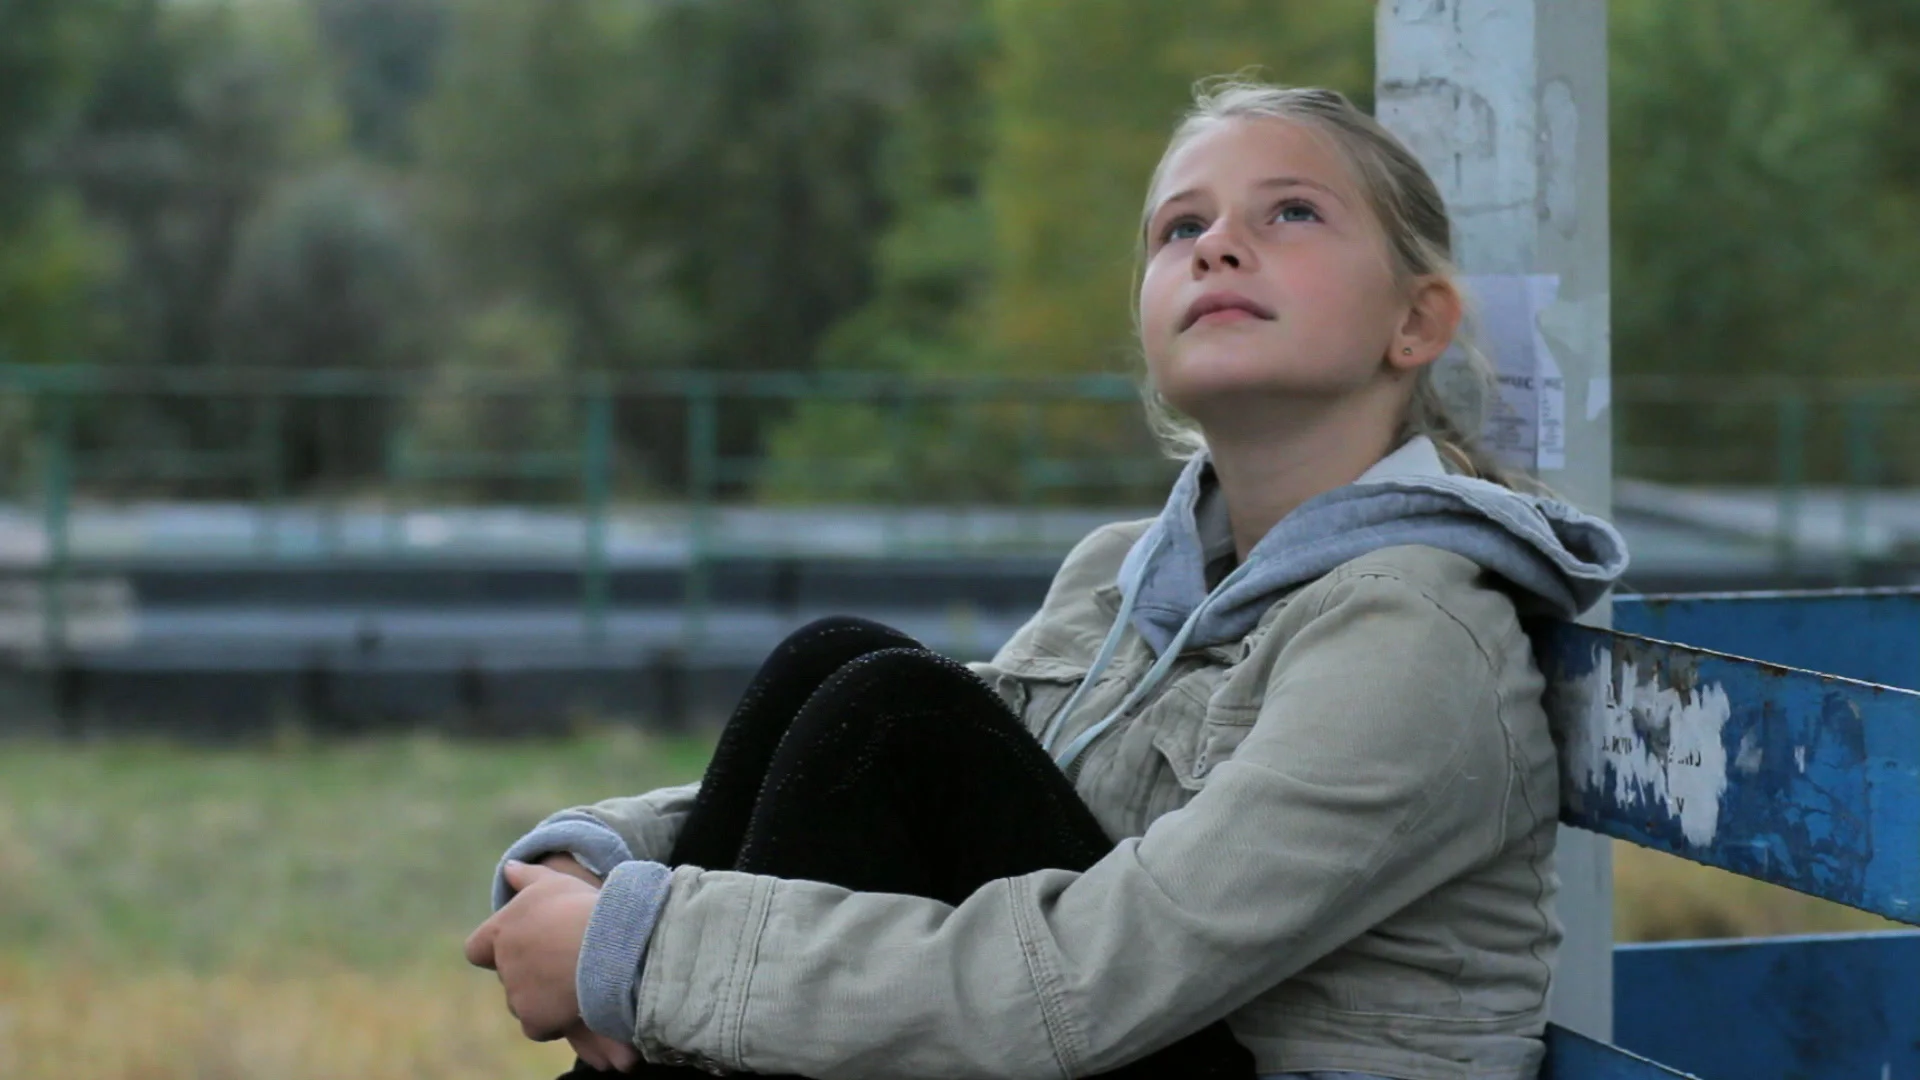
x=648 y=824
x=1376 y=771
x=604 y=835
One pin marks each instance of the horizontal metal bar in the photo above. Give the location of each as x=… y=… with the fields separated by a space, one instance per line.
x=853 y=386
x=416 y=465
x=1867 y=634
x=1573 y=1056
x=1838 y=1005
x=210 y=465
x=1091 y=472
x=1792 y=777
x=16 y=377
x=1894 y=389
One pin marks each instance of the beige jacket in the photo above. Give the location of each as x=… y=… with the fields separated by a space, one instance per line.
x=1336 y=833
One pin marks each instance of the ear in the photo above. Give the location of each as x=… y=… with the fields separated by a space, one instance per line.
x=1433 y=316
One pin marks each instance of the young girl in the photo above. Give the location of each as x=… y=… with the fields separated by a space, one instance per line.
x=1265 y=787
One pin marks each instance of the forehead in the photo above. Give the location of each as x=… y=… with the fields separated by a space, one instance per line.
x=1243 y=151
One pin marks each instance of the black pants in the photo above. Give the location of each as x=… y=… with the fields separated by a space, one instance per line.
x=859 y=758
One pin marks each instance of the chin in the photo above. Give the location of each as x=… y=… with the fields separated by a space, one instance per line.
x=1192 y=387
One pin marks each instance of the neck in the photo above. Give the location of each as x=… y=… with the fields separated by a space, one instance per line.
x=1267 y=470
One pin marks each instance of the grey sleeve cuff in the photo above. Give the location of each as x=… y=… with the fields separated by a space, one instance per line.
x=616 y=940
x=597 y=847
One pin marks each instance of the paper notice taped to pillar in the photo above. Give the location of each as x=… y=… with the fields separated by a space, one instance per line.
x=1525 y=422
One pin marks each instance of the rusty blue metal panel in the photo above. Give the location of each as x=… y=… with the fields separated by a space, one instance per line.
x=1787 y=776
x=1572 y=1056
x=1832 y=1007
x=1867 y=634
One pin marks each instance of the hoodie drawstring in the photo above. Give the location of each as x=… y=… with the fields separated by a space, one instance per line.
x=1107 y=648
x=1148 y=683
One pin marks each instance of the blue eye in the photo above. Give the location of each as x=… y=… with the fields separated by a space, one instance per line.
x=1183 y=229
x=1296 y=212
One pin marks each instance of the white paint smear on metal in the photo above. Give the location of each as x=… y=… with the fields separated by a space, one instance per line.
x=1624 y=726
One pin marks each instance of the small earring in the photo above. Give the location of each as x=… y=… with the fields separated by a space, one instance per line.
x=1406 y=352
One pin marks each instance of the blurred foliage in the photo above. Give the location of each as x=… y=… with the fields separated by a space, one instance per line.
x=461 y=426
x=932 y=267
x=1888 y=32
x=383 y=55
x=694 y=185
x=50 y=253
x=1758 y=230
x=1013 y=252
x=450 y=189
x=1085 y=100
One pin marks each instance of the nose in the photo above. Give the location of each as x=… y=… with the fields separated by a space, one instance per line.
x=1220 y=248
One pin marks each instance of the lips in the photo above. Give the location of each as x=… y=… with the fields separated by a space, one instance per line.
x=1222 y=301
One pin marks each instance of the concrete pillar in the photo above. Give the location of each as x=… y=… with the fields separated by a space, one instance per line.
x=1505 y=102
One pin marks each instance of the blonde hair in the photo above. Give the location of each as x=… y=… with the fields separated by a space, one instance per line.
x=1413 y=218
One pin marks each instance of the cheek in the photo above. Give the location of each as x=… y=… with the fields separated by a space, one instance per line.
x=1157 y=300
x=1345 y=301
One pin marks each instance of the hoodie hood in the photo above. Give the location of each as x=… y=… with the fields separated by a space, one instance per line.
x=1561 y=560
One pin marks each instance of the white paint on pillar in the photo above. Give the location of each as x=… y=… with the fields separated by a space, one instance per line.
x=1505 y=102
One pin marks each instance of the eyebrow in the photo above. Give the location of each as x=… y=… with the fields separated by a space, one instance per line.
x=1268 y=184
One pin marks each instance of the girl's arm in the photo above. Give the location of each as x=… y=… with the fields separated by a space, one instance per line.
x=605 y=834
x=648 y=824
x=1378 y=770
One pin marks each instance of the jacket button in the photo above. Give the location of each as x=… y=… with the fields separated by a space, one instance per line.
x=1200 y=767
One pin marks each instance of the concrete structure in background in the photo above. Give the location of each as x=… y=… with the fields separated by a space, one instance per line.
x=180 y=620
x=1505 y=102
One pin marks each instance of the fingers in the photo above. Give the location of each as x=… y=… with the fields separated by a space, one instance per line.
x=601 y=1052
x=480 y=943
x=581 y=1039
x=620 y=1056
x=570 y=866
x=523 y=875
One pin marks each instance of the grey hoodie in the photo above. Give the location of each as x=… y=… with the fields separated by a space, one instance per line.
x=1559 y=560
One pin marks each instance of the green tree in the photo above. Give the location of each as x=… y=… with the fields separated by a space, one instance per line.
x=932 y=268
x=467 y=412
x=1024 y=266
x=193 y=116
x=932 y=263
x=44 y=63
x=526 y=145
x=1755 y=232
x=329 y=273
x=691 y=184
x=1888 y=31
x=384 y=54
x=51 y=256
x=196 y=115
x=1085 y=97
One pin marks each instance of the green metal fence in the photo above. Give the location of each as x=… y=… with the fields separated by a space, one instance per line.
x=322 y=441
x=691 y=440
x=1845 y=439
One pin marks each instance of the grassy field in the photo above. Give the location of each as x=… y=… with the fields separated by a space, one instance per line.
x=296 y=913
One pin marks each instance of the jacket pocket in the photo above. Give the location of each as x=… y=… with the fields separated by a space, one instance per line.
x=1196 y=739
x=1036 y=686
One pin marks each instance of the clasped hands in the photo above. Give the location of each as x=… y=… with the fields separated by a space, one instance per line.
x=533 y=944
